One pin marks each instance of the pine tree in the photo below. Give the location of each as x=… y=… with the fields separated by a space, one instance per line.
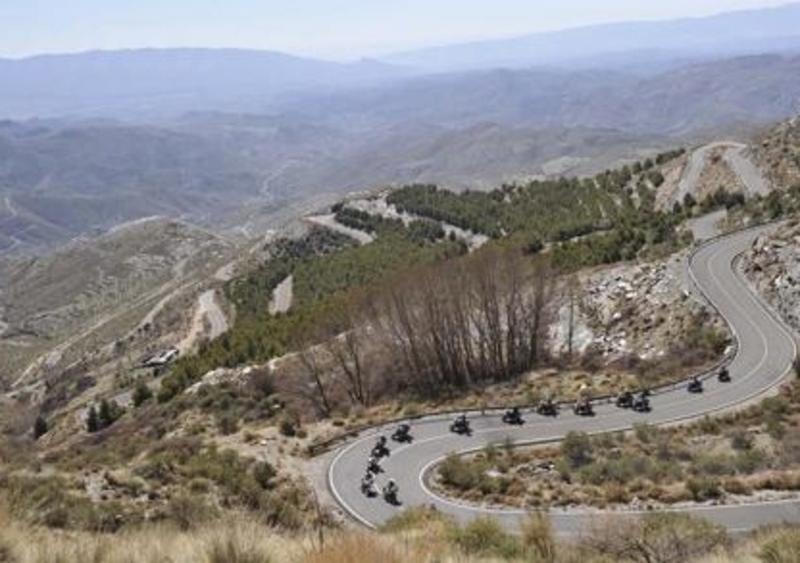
x=39 y=427
x=105 y=416
x=141 y=394
x=92 y=420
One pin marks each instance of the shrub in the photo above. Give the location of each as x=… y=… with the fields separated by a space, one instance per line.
x=776 y=428
x=741 y=439
x=108 y=413
x=782 y=548
x=577 y=449
x=141 y=394
x=709 y=425
x=233 y=550
x=92 y=421
x=227 y=423
x=703 y=489
x=789 y=450
x=486 y=537
x=415 y=518
x=461 y=474
x=39 y=427
x=263 y=473
x=750 y=461
x=188 y=512
x=288 y=426
x=538 y=537
x=645 y=433
x=714 y=465
x=655 y=537
x=736 y=486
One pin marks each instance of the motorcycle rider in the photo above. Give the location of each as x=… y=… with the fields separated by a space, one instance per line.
x=372 y=465
x=368 y=483
x=380 y=448
x=390 y=490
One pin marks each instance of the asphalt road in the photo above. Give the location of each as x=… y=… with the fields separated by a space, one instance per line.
x=763 y=358
x=735 y=157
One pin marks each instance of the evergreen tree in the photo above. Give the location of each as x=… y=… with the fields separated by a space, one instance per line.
x=109 y=412
x=92 y=420
x=39 y=427
x=105 y=417
x=141 y=394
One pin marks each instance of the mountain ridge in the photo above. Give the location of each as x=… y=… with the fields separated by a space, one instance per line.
x=725 y=34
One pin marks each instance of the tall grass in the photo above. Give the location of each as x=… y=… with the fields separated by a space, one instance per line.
x=238 y=541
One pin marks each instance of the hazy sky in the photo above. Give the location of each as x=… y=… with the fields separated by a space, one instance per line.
x=333 y=29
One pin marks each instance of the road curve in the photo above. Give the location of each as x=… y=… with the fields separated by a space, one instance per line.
x=765 y=351
x=734 y=155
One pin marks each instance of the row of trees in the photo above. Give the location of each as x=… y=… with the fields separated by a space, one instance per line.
x=480 y=319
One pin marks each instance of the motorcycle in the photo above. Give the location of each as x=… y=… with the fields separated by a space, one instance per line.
x=583 y=407
x=380 y=449
x=368 y=486
x=373 y=466
x=403 y=434
x=512 y=416
x=461 y=426
x=390 y=493
x=625 y=400
x=695 y=386
x=547 y=408
x=641 y=403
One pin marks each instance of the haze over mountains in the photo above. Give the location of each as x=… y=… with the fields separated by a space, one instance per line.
x=625 y=44
x=98 y=138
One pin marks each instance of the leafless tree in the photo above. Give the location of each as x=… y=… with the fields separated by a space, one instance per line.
x=315 y=379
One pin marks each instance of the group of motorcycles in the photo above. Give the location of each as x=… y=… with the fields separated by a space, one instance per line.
x=639 y=402
x=460 y=424
x=390 y=491
x=696 y=386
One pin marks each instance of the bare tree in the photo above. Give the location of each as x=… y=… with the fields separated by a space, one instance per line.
x=348 y=351
x=479 y=318
x=316 y=379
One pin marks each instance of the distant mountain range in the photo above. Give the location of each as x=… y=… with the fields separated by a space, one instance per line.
x=689 y=99
x=95 y=139
x=153 y=83
x=630 y=45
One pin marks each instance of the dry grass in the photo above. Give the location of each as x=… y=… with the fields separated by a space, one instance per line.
x=238 y=541
x=421 y=538
x=356 y=547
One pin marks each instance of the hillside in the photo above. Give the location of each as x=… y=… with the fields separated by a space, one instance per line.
x=59 y=180
x=778 y=153
x=583 y=272
x=76 y=302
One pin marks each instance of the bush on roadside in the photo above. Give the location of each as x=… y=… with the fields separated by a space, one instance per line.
x=485 y=537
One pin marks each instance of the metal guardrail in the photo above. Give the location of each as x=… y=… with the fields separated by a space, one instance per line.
x=321 y=447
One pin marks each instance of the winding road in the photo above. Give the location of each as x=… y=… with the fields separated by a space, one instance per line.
x=763 y=358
